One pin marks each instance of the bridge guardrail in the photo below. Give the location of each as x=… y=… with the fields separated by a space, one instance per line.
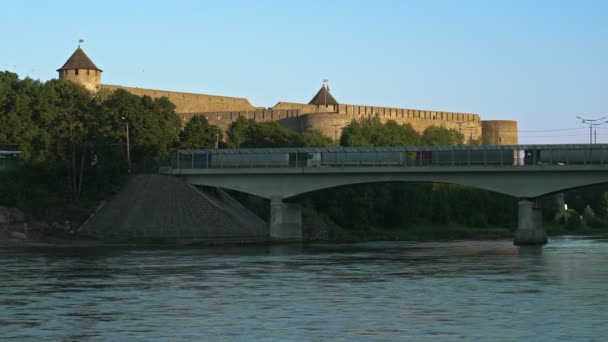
x=406 y=156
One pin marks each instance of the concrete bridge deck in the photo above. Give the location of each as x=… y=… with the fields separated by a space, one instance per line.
x=522 y=171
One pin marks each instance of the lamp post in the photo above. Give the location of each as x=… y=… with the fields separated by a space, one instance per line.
x=592 y=123
x=128 y=145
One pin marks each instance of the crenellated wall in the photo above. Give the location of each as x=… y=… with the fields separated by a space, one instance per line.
x=330 y=120
x=286 y=117
x=188 y=102
x=331 y=124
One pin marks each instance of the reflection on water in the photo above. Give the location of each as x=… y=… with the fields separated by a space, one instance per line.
x=481 y=290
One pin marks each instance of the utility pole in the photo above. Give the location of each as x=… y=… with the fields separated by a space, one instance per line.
x=592 y=123
x=128 y=145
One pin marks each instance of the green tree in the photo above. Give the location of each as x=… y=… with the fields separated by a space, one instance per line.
x=441 y=136
x=372 y=132
x=73 y=127
x=154 y=126
x=314 y=138
x=198 y=133
x=238 y=130
x=248 y=133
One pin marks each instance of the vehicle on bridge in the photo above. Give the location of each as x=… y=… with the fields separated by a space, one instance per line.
x=381 y=158
x=460 y=158
x=579 y=156
x=207 y=159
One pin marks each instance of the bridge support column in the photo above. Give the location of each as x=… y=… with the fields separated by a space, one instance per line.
x=285 y=221
x=529 y=224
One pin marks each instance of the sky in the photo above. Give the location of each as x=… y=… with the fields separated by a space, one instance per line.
x=542 y=63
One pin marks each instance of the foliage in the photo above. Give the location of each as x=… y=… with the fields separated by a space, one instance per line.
x=315 y=138
x=371 y=132
x=73 y=143
x=198 y=133
x=153 y=126
x=248 y=133
x=573 y=220
x=441 y=136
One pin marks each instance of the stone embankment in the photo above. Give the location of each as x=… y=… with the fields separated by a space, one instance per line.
x=164 y=207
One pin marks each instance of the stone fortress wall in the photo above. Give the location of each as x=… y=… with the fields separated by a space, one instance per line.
x=188 y=102
x=330 y=119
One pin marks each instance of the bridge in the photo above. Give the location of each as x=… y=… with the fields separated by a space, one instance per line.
x=523 y=171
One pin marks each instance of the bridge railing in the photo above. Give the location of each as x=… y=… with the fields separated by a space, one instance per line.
x=406 y=156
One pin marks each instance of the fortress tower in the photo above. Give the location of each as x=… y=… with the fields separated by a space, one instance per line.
x=323 y=98
x=499 y=132
x=80 y=69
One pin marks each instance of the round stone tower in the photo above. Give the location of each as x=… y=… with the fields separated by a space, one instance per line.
x=499 y=132
x=80 y=69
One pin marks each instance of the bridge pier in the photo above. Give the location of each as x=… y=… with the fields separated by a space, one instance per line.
x=285 y=221
x=529 y=224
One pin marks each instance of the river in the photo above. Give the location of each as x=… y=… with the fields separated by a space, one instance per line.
x=385 y=291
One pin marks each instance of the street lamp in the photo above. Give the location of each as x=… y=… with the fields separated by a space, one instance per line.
x=592 y=123
x=124 y=119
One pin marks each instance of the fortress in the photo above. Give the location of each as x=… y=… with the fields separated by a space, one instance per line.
x=322 y=113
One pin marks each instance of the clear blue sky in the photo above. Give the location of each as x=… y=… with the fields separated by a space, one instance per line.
x=541 y=63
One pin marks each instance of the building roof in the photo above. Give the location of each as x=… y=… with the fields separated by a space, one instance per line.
x=79 y=60
x=323 y=97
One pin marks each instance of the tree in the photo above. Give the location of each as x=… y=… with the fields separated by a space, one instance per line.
x=314 y=138
x=238 y=130
x=154 y=126
x=441 y=136
x=73 y=126
x=248 y=133
x=372 y=132
x=198 y=133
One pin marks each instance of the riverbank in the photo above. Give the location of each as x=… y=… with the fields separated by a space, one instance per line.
x=16 y=232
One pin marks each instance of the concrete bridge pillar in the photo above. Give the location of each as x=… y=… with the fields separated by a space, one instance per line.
x=285 y=221
x=529 y=224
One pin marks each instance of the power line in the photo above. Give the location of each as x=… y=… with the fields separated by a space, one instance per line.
x=553 y=130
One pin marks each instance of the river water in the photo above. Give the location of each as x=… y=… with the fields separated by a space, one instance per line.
x=474 y=290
